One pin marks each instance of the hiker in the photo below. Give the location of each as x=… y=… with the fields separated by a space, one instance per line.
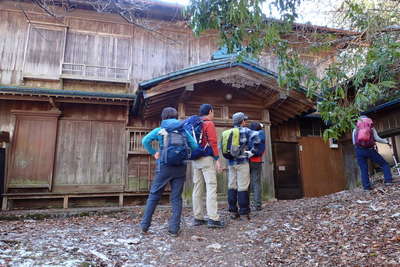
x=364 y=137
x=256 y=166
x=169 y=167
x=204 y=170
x=236 y=148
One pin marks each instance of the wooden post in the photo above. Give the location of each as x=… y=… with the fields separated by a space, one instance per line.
x=181 y=111
x=268 y=162
x=65 y=206
x=4 y=205
x=121 y=199
x=225 y=112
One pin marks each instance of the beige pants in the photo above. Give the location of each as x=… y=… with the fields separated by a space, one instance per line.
x=239 y=177
x=204 y=173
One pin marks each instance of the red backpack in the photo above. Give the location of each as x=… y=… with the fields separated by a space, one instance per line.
x=364 y=135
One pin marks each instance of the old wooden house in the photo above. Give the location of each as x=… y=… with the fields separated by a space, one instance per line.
x=80 y=90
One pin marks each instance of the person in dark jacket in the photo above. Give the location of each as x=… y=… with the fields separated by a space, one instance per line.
x=365 y=152
x=174 y=175
x=239 y=170
x=256 y=166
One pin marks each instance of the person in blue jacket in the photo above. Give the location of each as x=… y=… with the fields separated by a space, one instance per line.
x=174 y=175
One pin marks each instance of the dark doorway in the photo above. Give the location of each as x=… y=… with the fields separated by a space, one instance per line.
x=287 y=174
x=2 y=169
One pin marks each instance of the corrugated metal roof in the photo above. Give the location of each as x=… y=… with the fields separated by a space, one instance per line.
x=64 y=93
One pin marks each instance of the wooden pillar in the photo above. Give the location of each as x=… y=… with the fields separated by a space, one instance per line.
x=268 y=184
x=181 y=111
x=121 y=200
x=65 y=206
x=4 y=204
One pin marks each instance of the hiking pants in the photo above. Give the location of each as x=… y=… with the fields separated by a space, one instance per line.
x=363 y=154
x=255 y=182
x=238 y=188
x=175 y=176
x=204 y=174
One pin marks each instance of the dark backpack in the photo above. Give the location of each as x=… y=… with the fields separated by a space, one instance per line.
x=259 y=147
x=194 y=126
x=175 y=150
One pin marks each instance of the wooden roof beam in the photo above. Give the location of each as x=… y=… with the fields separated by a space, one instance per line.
x=285 y=111
x=274 y=99
x=299 y=97
x=279 y=115
x=186 y=93
x=294 y=106
x=275 y=120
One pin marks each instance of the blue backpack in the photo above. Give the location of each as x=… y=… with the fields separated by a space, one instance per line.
x=176 y=149
x=259 y=147
x=194 y=126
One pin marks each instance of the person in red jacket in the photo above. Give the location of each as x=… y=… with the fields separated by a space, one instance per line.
x=204 y=172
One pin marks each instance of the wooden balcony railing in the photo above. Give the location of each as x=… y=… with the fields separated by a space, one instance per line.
x=92 y=72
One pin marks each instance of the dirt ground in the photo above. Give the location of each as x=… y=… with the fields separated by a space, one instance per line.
x=349 y=228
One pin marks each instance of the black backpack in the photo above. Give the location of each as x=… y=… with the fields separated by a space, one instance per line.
x=175 y=151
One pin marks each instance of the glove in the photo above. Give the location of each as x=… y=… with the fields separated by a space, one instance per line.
x=249 y=154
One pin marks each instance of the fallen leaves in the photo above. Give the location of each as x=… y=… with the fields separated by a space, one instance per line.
x=353 y=228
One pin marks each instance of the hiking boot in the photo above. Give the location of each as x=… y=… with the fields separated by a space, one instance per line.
x=215 y=224
x=173 y=233
x=235 y=216
x=198 y=222
x=144 y=230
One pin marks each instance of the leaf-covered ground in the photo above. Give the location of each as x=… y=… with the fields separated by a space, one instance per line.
x=349 y=228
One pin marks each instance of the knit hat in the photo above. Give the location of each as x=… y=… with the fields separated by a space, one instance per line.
x=205 y=109
x=238 y=117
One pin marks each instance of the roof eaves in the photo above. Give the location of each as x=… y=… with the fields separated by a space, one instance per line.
x=383 y=106
x=63 y=93
x=213 y=65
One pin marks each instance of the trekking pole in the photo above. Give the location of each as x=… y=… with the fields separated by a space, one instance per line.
x=395 y=161
x=396 y=164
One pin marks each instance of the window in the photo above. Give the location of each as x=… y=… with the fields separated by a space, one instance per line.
x=44 y=51
x=96 y=57
x=312 y=127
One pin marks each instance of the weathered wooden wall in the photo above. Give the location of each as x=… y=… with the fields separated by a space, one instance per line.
x=13 y=32
x=321 y=167
x=91 y=46
x=91 y=148
x=90 y=151
x=286 y=132
x=7 y=121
